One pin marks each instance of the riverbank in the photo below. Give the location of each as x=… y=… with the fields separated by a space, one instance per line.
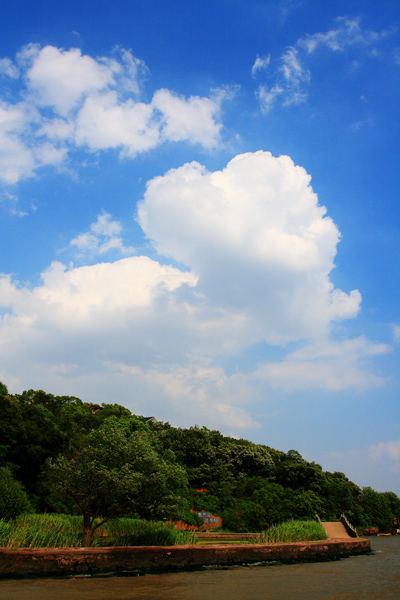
x=34 y=562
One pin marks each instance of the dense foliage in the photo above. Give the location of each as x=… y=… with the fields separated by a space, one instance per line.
x=250 y=486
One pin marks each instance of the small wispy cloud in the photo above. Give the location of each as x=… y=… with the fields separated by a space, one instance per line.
x=385 y=450
x=8 y=69
x=348 y=33
x=291 y=82
x=103 y=235
x=18 y=213
x=290 y=78
x=288 y=7
x=261 y=62
x=295 y=75
x=11 y=203
x=268 y=96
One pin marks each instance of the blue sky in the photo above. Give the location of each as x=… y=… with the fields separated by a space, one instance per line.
x=199 y=206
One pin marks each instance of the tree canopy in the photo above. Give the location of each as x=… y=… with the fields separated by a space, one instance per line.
x=114 y=472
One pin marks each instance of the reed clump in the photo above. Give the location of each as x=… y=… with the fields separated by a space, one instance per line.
x=42 y=531
x=294 y=531
x=66 y=531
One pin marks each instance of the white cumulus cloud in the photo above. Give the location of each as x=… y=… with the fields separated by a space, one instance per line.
x=72 y=100
x=19 y=156
x=193 y=385
x=104 y=123
x=60 y=78
x=258 y=239
x=193 y=119
x=252 y=251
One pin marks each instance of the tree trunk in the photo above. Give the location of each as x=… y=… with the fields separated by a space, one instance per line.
x=87 y=531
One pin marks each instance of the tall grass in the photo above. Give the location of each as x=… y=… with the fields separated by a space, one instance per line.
x=42 y=531
x=116 y=527
x=185 y=538
x=65 y=531
x=294 y=531
x=134 y=532
x=5 y=530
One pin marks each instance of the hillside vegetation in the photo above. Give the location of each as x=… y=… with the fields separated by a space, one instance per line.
x=157 y=471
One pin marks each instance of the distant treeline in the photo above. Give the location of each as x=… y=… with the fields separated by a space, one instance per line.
x=251 y=486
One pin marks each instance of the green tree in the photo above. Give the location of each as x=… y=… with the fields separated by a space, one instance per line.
x=297 y=473
x=375 y=509
x=393 y=503
x=278 y=503
x=339 y=496
x=13 y=498
x=115 y=472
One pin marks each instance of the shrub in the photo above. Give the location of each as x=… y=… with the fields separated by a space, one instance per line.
x=13 y=498
x=136 y=532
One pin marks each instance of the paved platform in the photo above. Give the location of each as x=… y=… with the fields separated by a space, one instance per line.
x=335 y=531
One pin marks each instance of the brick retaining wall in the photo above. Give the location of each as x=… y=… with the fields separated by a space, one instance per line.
x=146 y=559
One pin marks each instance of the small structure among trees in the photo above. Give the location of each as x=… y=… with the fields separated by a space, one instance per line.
x=210 y=521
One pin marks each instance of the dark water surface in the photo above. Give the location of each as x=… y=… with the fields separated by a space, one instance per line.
x=368 y=577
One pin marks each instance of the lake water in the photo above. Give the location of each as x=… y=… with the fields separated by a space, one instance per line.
x=368 y=577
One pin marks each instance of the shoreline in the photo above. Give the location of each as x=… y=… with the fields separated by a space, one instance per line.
x=140 y=560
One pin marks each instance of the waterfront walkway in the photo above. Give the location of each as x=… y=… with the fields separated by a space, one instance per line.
x=152 y=559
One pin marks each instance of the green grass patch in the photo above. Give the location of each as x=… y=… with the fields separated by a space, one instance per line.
x=294 y=531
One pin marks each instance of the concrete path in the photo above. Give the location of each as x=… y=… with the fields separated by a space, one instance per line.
x=335 y=530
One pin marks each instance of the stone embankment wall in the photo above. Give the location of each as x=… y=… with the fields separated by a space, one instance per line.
x=150 y=559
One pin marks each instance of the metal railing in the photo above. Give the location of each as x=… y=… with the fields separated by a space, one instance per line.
x=349 y=528
x=343 y=520
x=320 y=522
